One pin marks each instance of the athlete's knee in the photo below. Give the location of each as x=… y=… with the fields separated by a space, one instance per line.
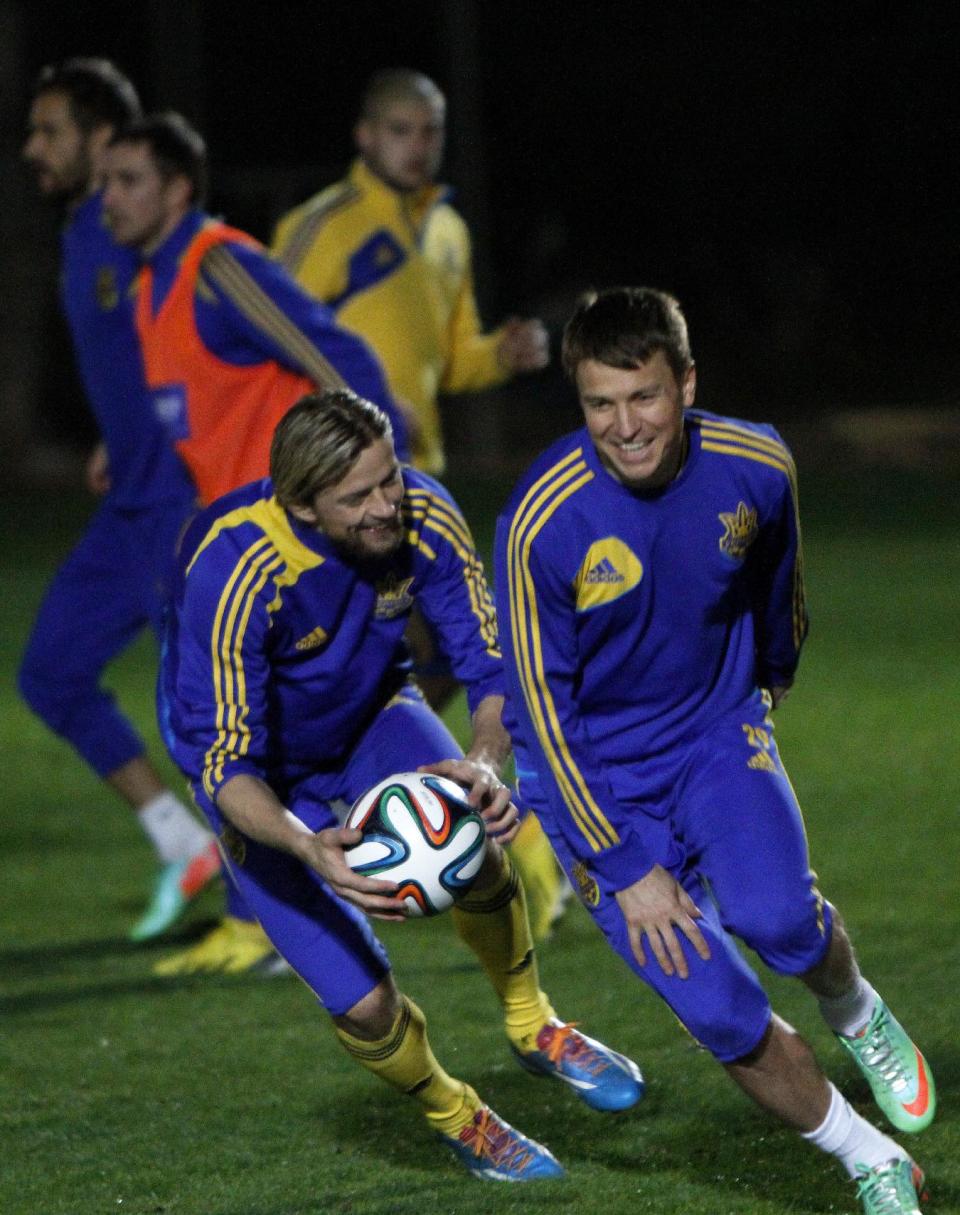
x=373 y=1016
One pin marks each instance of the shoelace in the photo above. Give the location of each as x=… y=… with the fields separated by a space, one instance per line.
x=564 y=1043
x=489 y=1138
x=881 y=1187
x=878 y=1054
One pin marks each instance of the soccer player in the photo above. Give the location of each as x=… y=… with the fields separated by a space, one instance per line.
x=650 y=595
x=388 y=252
x=229 y=342
x=287 y=683
x=111 y=586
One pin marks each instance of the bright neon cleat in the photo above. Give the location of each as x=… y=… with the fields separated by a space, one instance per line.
x=894 y=1188
x=600 y=1077
x=175 y=886
x=233 y=947
x=895 y=1070
x=490 y=1148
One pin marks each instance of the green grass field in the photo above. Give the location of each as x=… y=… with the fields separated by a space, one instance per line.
x=124 y=1093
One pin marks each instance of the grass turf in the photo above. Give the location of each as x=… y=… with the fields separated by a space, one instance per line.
x=124 y=1093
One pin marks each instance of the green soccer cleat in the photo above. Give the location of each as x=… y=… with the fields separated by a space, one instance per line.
x=491 y=1149
x=895 y=1070
x=175 y=886
x=894 y=1188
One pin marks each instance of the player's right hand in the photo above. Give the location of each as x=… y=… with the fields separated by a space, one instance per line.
x=655 y=907
x=97 y=472
x=323 y=852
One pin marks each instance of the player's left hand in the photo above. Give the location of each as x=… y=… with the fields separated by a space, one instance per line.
x=524 y=346
x=486 y=791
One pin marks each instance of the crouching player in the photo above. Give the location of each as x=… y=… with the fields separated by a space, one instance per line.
x=286 y=688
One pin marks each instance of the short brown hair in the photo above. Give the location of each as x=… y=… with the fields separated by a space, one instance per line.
x=318 y=440
x=624 y=326
x=97 y=92
x=176 y=148
x=398 y=84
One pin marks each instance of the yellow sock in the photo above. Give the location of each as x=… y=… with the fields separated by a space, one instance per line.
x=493 y=923
x=405 y=1061
x=534 y=860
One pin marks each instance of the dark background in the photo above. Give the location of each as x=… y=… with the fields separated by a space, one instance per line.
x=786 y=169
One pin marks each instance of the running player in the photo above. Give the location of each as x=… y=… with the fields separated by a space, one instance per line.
x=650 y=595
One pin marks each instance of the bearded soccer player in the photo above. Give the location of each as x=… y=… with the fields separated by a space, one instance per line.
x=650 y=596
x=113 y=584
x=286 y=679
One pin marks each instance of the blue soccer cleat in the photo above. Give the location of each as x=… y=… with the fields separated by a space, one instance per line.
x=175 y=886
x=491 y=1149
x=600 y=1077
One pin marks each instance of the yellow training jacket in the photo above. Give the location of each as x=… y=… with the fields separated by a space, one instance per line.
x=396 y=270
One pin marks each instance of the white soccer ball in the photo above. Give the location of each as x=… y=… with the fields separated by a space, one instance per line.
x=420 y=832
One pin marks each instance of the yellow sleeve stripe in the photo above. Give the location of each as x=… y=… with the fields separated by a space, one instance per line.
x=727 y=431
x=439 y=516
x=748 y=446
x=236 y=602
x=297 y=244
x=224 y=269
x=747 y=453
x=543 y=498
x=433 y=510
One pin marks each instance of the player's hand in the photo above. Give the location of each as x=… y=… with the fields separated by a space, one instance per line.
x=655 y=907
x=779 y=693
x=524 y=346
x=323 y=852
x=96 y=475
x=486 y=791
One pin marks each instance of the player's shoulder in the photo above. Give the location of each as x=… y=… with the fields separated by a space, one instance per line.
x=423 y=493
x=245 y=517
x=737 y=439
x=443 y=214
x=88 y=235
x=303 y=225
x=552 y=479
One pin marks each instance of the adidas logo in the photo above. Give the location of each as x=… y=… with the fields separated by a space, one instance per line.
x=761 y=762
x=604 y=571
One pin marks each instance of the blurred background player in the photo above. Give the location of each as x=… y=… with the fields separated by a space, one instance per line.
x=112 y=585
x=652 y=613
x=287 y=679
x=388 y=252
x=229 y=342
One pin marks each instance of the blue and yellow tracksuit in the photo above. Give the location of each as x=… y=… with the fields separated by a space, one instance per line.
x=397 y=270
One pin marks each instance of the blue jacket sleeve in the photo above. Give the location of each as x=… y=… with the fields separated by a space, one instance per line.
x=536 y=612
x=779 y=603
x=455 y=597
x=222 y=667
x=250 y=309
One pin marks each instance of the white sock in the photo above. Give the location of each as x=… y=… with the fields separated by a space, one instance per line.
x=854 y=1141
x=849 y=1013
x=172 y=829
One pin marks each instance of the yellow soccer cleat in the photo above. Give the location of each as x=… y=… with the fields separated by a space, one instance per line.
x=233 y=947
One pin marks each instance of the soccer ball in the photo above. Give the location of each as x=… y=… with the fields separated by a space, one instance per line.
x=420 y=832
